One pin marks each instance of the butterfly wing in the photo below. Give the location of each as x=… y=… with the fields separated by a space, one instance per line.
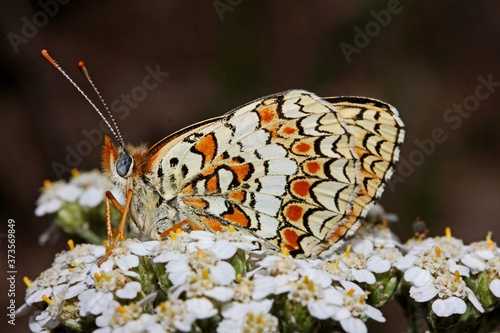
x=293 y=169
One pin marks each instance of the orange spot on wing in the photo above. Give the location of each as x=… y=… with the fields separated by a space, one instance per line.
x=212 y=224
x=208 y=171
x=289 y=130
x=238 y=196
x=196 y=202
x=212 y=184
x=301 y=187
x=303 y=147
x=313 y=167
x=237 y=217
x=241 y=171
x=188 y=190
x=267 y=114
x=294 y=213
x=291 y=237
x=207 y=147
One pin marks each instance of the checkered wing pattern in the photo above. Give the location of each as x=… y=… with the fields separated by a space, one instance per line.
x=293 y=169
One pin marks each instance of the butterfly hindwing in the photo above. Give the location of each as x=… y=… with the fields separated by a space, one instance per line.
x=293 y=169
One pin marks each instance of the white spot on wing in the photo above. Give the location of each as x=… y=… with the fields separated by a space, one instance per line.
x=273 y=184
x=244 y=125
x=282 y=166
x=267 y=204
x=255 y=140
x=268 y=227
x=225 y=179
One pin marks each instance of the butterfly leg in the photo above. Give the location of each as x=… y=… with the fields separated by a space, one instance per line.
x=122 y=224
x=110 y=196
x=167 y=232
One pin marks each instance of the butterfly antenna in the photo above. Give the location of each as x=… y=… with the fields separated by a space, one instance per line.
x=85 y=72
x=56 y=65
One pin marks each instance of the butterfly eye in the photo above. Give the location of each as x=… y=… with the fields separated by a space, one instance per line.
x=124 y=165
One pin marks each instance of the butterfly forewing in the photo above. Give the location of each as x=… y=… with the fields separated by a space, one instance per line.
x=293 y=169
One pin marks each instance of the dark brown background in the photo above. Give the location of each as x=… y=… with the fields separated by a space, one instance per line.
x=426 y=59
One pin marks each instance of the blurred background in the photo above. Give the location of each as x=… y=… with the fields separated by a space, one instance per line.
x=437 y=62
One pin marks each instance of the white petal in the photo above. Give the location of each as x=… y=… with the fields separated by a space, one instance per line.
x=223 y=273
x=91 y=197
x=417 y=276
x=378 y=265
x=362 y=245
x=47 y=207
x=202 y=308
x=321 y=309
x=495 y=287
x=348 y=285
x=449 y=306
x=405 y=262
x=473 y=299
x=68 y=192
x=224 y=249
x=128 y=261
x=75 y=290
x=475 y=264
x=363 y=275
x=221 y=294
x=424 y=293
x=353 y=325
x=374 y=314
x=129 y=291
x=263 y=287
x=230 y=326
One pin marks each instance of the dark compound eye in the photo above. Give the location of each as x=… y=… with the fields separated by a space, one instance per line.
x=124 y=165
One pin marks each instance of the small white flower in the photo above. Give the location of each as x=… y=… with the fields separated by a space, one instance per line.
x=248 y=317
x=129 y=291
x=94 y=302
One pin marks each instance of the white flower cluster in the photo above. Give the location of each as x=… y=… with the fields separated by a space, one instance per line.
x=205 y=279
x=86 y=188
x=436 y=269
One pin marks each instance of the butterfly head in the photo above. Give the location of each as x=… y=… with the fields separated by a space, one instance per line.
x=119 y=162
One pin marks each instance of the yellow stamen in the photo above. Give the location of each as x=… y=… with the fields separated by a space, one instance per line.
x=122 y=309
x=27 y=281
x=231 y=228
x=488 y=236
x=205 y=274
x=97 y=277
x=285 y=251
x=75 y=172
x=163 y=307
x=178 y=231
x=350 y=292
x=447 y=231
x=362 y=299
x=70 y=270
x=384 y=223
x=199 y=253
x=46 y=299
x=336 y=265
x=105 y=276
x=260 y=320
x=122 y=237
x=47 y=183
x=348 y=251
x=457 y=276
x=438 y=252
x=74 y=263
x=309 y=283
x=491 y=244
x=239 y=277
x=250 y=316
x=71 y=245
x=172 y=235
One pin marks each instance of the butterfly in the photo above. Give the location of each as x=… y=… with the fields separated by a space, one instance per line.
x=295 y=170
